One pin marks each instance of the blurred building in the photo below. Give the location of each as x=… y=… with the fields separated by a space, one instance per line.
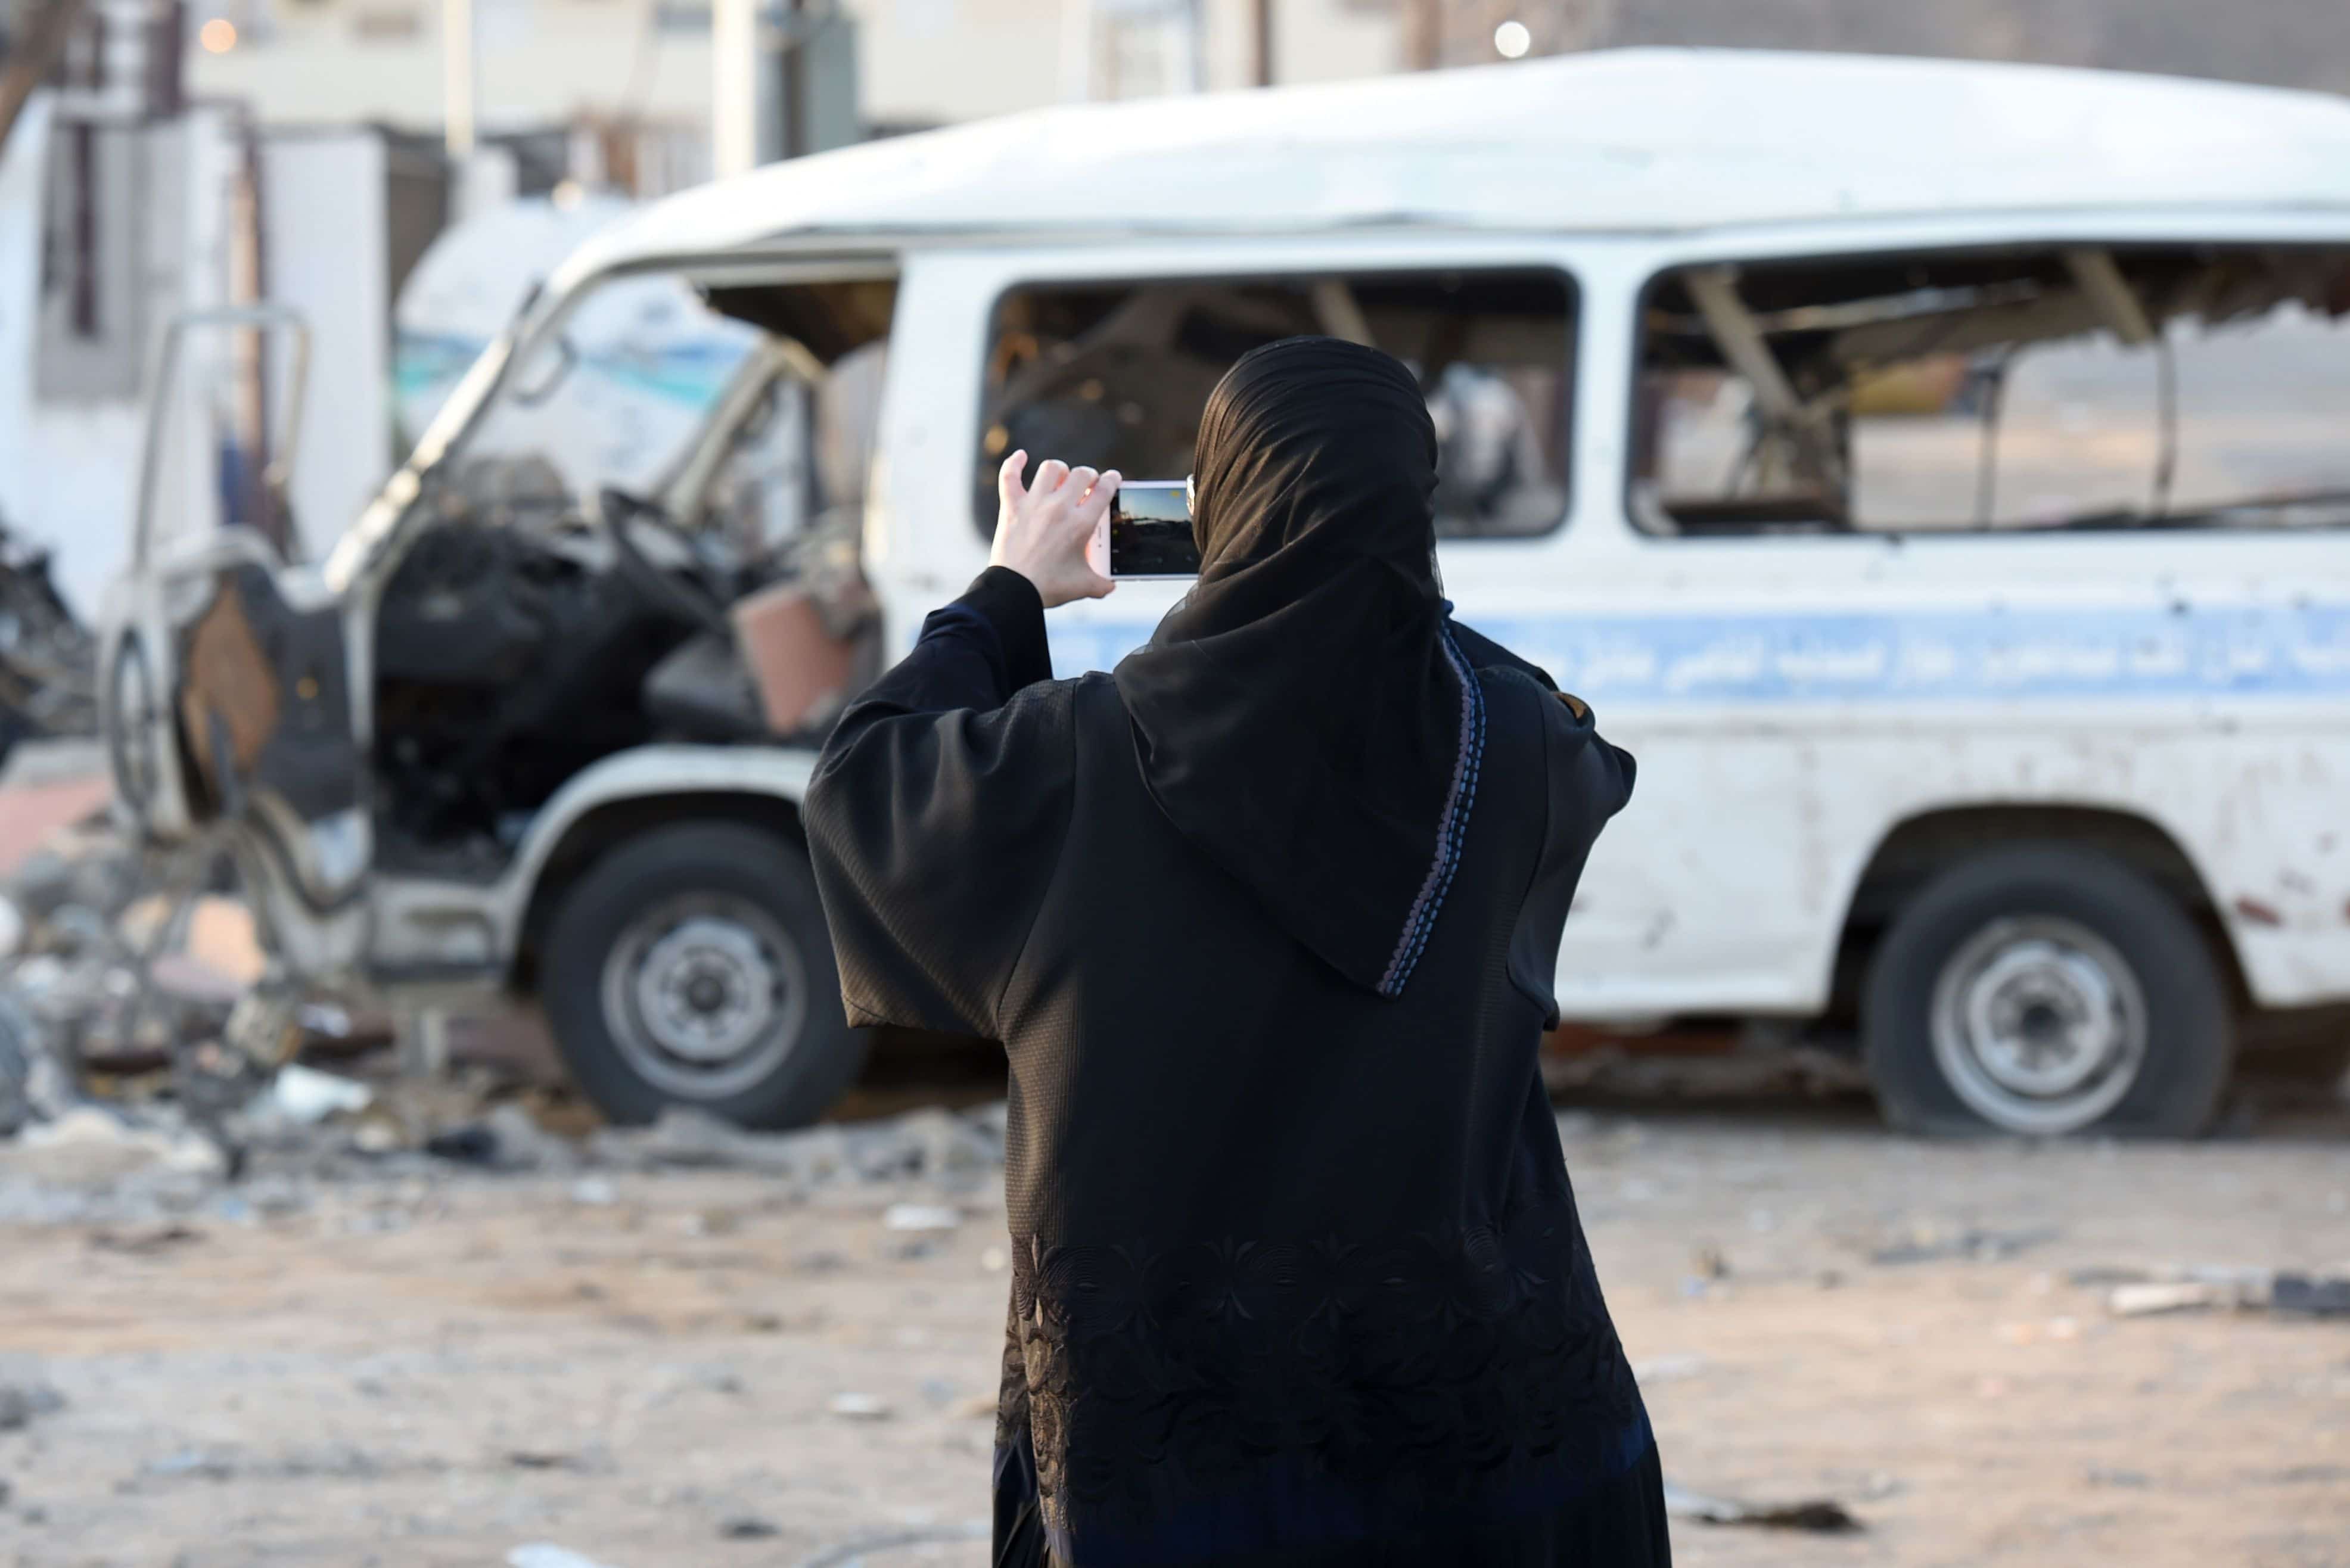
x=183 y=154
x=2281 y=43
x=916 y=63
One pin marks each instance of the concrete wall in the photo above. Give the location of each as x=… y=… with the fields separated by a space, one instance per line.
x=69 y=465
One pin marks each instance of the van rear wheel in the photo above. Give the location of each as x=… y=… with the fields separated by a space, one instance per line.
x=691 y=967
x=2042 y=990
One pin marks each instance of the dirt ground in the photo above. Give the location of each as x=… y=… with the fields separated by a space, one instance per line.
x=644 y=1369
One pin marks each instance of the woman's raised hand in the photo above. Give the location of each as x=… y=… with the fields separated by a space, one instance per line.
x=1041 y=529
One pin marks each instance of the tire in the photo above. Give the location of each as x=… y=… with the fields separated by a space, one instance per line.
x=690 y=966
x=2042 y=990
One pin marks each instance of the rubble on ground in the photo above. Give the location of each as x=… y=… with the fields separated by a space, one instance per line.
x=147 y=1064
x=22 y=1402
x=47 y=658
x=1820 y=1515
x=2152 y=1293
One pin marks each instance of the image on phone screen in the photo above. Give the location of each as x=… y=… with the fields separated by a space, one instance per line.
x=1151 y=531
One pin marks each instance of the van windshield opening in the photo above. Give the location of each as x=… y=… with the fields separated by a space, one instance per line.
x=2079 y=387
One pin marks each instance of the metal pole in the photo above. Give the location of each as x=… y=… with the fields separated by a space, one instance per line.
x=1261 y=15
x=1076 y=50
x=1423 y=34
x=734 y=88
x=797 y=131
x=458 y=97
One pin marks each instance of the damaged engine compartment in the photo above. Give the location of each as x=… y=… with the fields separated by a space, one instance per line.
x=542 y=622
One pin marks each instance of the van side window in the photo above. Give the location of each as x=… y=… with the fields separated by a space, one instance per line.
x=2074 y=386
x=1114 y=375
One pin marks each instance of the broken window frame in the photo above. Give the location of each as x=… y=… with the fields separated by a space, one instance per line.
x=1340 y=316
x=2115 y=308
x=370 y=550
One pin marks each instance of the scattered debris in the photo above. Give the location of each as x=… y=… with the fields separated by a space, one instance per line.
x=145 y=1243
x=859 y=1406
x=921 y=1216
x=21 y=1402
x=849 y=1551
x=91 y=1144
x=49 y=659
x=202 y=1464
x=2147 y=1292
x=544 y=1555
x=590 y=1461
x=942 y=1145
x=1929 y=1243
x=748 y=1527
x=1667 y=1368
x=472 y=1143
x=1821 y=1515
x=2183 y=1295
x=508 y=1138
x=304 y=1094
x=1696 y=1066
x=2309 y=1295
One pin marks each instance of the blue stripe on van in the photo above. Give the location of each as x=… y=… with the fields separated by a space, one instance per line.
x=2279 y=651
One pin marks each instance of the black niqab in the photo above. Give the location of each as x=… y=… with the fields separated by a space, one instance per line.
x=1296 y=1278
x=1303 y=717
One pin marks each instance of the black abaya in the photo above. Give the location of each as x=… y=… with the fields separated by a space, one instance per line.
x=1297 y=1275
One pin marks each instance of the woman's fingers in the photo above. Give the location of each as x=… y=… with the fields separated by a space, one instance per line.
x=1105 y=489
x=1047 y=523
x=1081 y=482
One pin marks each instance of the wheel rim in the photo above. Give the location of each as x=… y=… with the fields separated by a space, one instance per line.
x=2038 y=1025
x=704 y=995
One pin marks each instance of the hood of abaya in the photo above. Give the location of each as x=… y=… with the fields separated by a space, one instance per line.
x=1303 y=716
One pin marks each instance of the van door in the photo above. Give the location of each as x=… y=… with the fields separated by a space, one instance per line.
x=224 y=691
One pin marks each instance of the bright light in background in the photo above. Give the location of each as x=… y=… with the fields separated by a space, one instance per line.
x=218 y=35
x=567 y=195
x=1512 y=40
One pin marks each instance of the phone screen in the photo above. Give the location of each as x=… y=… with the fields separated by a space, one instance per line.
x=1151 y=531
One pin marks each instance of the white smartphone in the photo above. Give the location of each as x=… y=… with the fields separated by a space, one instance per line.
x=1146 y=531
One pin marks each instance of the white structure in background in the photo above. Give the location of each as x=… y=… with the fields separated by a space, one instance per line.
x=146 y=207
x=918 y=62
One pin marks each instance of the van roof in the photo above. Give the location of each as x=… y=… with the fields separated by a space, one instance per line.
x=1631 y=140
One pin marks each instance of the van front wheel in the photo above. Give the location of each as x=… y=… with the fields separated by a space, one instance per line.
x=2042 y=990
x=691 y=967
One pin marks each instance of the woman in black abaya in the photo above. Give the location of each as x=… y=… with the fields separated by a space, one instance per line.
x=1267 y=921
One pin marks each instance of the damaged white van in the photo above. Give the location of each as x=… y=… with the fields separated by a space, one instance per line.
x=1935 y=473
